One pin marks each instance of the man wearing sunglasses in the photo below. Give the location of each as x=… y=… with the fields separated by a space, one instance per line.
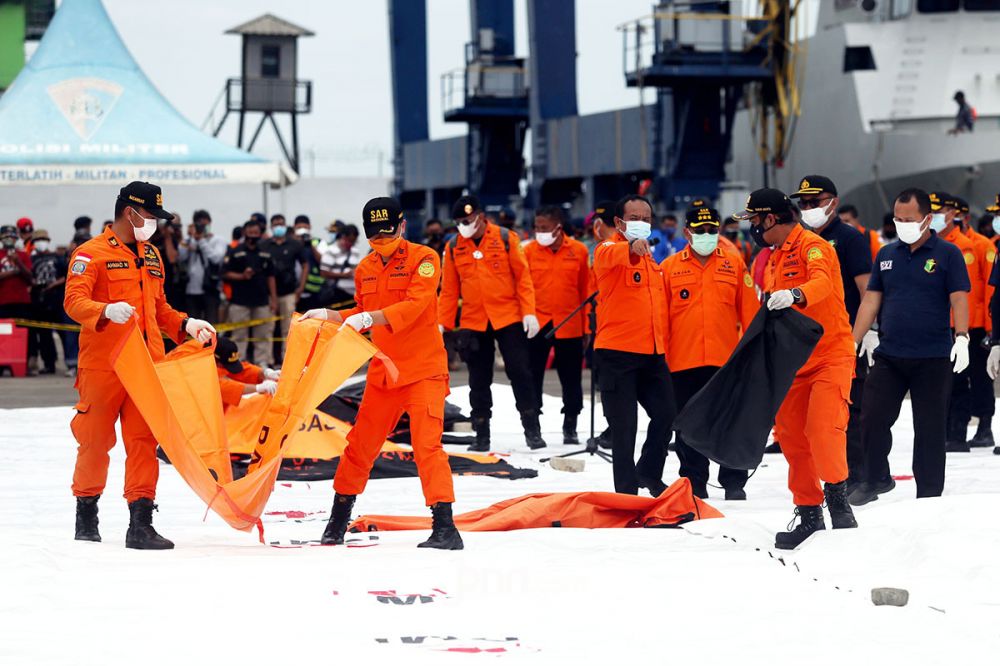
x=803 y=272
x=819 y=204
x=485 y=266
x=710 y=301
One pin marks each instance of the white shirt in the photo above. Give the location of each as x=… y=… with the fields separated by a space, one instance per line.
x=336 y=259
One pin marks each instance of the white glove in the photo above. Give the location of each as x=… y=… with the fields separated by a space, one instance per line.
x=960 y=353
x=200 y=330
x=267 y=386
x=868 y=346
x=441 y=329
x=780 y=300
x=272 y=374
x=357 y=321
x=315 y=313
x=531 y=326
x=119 y=312
x=993 y=362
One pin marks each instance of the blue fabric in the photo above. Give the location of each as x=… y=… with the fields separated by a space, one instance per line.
x=915 y=318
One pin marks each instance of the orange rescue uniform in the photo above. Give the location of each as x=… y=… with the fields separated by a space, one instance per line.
x=708 y=306
x=104 y=270
x=492 y=278
x=874 y=244
x=561 y=280
x=977 y=309
x=405 y=290
x=811 y=423
x=630 y=292
x=232 y=383
x=985 y=253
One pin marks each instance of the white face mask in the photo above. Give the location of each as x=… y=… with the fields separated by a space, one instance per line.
x=814 y=218
x=704 y=244
x=545 y=238
x=146 y=231
x=909 y=232
x=42 y=245
x=468 y=230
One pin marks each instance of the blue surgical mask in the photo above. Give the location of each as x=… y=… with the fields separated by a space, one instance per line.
x=670 y=232
x=938 y=223
x=637 y=230
x=996 y=223
x=279 y=231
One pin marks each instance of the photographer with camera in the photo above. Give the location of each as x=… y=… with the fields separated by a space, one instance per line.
x=201 y=253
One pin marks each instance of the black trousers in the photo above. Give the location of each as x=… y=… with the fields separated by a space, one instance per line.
x=203 y=306
x=477 y=349
x=960 y=403
x=694 y=466
x=929 y=382
x=569 y=367
x=42 y=341
x=626 y=381
x=855 y=450
x=982 y=403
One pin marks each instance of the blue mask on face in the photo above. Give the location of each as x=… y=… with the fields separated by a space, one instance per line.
x=996 y=223
x=670 y=232
x=279 y=231
x=938 y=222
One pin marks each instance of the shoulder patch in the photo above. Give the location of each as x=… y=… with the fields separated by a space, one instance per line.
x=426 y=269
x=969 y=259
x=747 y=280
x=78 y=267
x=990 y=256
x=814 y=253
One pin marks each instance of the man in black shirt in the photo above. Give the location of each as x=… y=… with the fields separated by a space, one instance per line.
x=48 y=272
x=249 y=271
x=291 y=268
x=819 y=203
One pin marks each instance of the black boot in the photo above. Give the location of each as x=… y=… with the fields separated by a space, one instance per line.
x=811 y=520
x=868 y=492
x=654 y=486
x=841 y=515
x=340 y=518
x=569 y=429
x=481 y=425
x=736 y=495
x=984 y=434
x=141 y=534
x=86 y=519
x=773 y=447
x=532 y=430
x=444 y=534
x=603 y=440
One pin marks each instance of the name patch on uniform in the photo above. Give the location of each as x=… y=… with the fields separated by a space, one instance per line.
x=426 y=269
x=814 y=253
x=115 y=265
x=885 y=265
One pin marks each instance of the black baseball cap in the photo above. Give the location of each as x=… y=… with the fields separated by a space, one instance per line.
x=8 y=230
x=766 y=200
x=146 y=195
x=605 y=210
x=701 y=214
x=815 y=185
x=465 y=206
x=960 y=204
x=227 y=355
x=995 y=208
x=381 y=215
x=939 y=199
x=82 y=222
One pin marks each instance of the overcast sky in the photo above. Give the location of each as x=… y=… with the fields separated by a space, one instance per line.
x=348 y=62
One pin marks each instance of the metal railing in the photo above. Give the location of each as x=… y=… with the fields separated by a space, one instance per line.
x=483 y=82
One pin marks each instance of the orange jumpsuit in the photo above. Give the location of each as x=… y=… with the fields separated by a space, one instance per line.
x=874 y=244
x=985 y=253
x=232 y=384
x=630 y=293
x=977 y=309
x=103 y=270
x=492 y=279
x=561 y=281
x=708 y=305
x=405 y=290
x=812 y=421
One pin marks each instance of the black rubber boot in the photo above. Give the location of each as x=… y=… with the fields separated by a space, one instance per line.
x=810 y=521
x=444 y=534
x=86 y=519
x=736 y=495
x=841 y=515
x=984 y=434
x=532 y=430
x=340 y=518
x=141 y=534
x=869 y=492
x=654 y=486
x=482 y=427
x=569 y=429
x=603 y=440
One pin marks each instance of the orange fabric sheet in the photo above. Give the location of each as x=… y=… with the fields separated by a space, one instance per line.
x=181 y=402
x=676 y=505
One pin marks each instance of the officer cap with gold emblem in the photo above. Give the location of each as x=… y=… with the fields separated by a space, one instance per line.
x=605 y=210
x=147 y=196
x=939 y=199
x=815 y=185
x=465 y=206
x=381 y=215
x=701 y=214
x=228 y=356
x=995 y=208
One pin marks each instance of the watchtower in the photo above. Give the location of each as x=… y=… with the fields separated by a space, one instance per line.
x=269 y=83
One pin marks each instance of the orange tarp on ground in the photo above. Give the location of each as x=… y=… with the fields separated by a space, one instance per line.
x=675 y=506
x=180 y=399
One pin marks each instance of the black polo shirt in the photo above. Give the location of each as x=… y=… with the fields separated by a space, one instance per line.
x=855 y=258
x=252 y=292
x=285 y=256
x=915 y=318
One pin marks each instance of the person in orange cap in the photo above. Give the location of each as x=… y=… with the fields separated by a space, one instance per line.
x=803 y=272
x=711 y=300
x=485 y=266
x=560 y=273
x=117 y=279
x=396 y=296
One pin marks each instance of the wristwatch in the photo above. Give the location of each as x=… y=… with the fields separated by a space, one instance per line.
x=796 y=295
x=366 y=320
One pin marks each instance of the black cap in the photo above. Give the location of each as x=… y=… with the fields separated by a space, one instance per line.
x=939 y=199
x=381 y=215
x=227 y=355
x=960 y=204
x=8 y=230
x=146 y=195
x=766 y=200
x=701 y=214
x=995 y=208
x=82 y=222
x=606 y=211
x=815 y=185
x=465 y=206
